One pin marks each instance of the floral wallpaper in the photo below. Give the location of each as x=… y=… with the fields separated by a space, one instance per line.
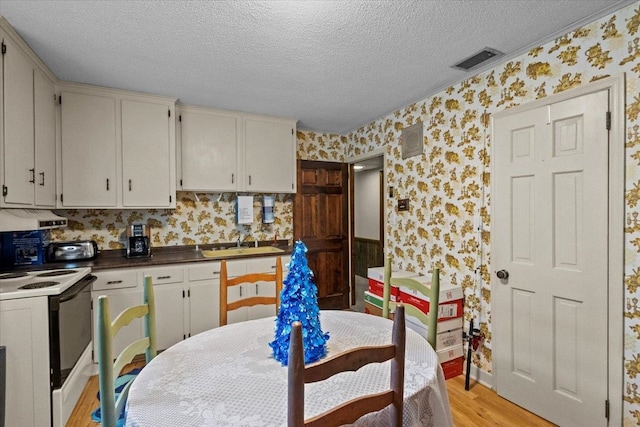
x=449 y=185
x=199 y=218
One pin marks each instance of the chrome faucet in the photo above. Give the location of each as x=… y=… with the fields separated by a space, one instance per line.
x=241 y=239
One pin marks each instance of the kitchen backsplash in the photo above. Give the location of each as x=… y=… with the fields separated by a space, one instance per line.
x=195 y=220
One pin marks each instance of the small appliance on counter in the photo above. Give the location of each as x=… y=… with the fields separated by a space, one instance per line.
x=72 y=251
x=138 y=241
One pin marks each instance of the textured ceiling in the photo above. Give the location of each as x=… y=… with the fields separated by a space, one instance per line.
x=333 y=65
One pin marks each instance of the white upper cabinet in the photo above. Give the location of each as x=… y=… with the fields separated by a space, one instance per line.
x=148 y=155
x=117 y=149
x=209 y=141
x=88 y=140
x=270 y=154
x=232 y=151
x=27 y=169
x=45 y=139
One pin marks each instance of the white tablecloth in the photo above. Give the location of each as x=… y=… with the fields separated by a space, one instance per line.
x=228 y=377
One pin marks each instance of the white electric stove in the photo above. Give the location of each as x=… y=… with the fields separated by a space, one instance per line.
x=26 y=284
x=53 y=307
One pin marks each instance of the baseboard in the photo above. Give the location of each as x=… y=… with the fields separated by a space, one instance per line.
x=480 y=376
x=63 y=400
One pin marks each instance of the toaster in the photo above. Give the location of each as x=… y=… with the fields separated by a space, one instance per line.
x=72 y=251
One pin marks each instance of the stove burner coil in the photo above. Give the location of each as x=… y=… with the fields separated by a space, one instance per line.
x=56 y=273
x=38 y=285
x=12 y=275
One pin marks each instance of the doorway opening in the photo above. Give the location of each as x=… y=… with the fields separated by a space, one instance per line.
x=367 y=223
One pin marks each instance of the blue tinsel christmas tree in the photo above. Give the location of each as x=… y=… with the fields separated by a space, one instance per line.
x=299 y=302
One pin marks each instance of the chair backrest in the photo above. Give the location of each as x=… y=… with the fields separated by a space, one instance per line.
x=430 y=320
x=350 y=360
x=226 y=282
x=108 y=369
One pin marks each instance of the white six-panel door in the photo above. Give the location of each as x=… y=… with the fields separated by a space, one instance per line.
x=549 y=233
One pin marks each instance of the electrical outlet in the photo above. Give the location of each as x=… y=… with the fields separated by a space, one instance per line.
x=403 y=205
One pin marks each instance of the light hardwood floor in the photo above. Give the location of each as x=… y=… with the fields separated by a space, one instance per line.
x=477 y=407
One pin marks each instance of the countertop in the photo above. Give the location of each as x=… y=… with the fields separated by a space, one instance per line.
x=166 y=255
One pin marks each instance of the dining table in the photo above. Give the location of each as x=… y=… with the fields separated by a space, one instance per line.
x=227 y=376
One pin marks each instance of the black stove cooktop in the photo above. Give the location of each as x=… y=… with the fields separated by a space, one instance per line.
x=6 y=276
x=38 y=285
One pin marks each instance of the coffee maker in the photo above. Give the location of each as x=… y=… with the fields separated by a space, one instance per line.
x=138 y=241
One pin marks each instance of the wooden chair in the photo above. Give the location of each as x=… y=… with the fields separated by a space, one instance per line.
x=226 y=282
x=350 y=360
x=110 y=408
x=430 y=320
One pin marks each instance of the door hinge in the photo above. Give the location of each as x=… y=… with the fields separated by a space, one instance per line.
x=608 y=120
x=4 y=48
x=169 y=113
x=180 y=118
x=606 y=409
x=291 y=131
x=5 y=190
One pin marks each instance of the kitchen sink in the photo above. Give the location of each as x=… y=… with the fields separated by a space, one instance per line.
x=229 y=252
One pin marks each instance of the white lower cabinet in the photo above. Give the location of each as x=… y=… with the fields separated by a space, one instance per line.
x=124 y=289
x=24 y=331
x=253 y=265
x=204 y=297
x=187 y=297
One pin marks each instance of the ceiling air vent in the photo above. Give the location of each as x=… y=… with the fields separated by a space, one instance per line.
x=479 y=58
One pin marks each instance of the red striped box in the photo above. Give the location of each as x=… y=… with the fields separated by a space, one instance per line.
x=446 y=310
x=452 y=368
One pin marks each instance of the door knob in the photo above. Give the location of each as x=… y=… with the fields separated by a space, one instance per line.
x=502 y=274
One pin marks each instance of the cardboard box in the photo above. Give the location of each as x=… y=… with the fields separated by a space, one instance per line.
x=372 y=309
x=446 y=310
x=377 y=273
x=377 y=288
x=444 y=339
x=450 y=353
x=452 y=368
x=373 y=299
x=450 y=304
x=443 y=325
x=376 y=281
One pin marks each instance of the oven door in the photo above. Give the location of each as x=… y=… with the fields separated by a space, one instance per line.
x=69 y=328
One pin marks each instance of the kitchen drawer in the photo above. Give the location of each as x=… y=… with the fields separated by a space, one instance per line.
x=163 y=276
x=115 y=279
x=267 y=264
x=204 y=271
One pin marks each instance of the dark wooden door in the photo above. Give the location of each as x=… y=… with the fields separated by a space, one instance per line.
x=320 y=220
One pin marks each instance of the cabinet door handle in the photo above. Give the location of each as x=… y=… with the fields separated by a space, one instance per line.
x=240 y=291
x=129 y=185
x=33 y=176
x=249 y=179
x=114 y=282
x=233 y=176
x=216 y=273
x=163 y=277
x=42 y=180
x=256 y=289
x=107 y=184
